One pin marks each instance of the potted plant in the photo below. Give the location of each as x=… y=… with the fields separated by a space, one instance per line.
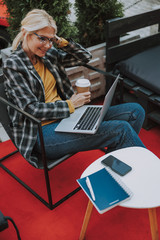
x=91 y=16
x=60 y=10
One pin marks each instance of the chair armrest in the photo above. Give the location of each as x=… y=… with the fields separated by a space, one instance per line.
x=27 y=115
x=108 y=74
x=35 y=120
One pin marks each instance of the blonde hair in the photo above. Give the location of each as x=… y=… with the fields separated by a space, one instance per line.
x=35 y=20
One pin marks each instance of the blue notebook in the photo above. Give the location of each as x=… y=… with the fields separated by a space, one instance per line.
x=109 y=192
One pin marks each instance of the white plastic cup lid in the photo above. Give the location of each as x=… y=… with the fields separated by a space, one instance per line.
x=83 y=82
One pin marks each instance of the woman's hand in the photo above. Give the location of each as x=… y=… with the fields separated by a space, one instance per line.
x=57 y=39
x=80 y=99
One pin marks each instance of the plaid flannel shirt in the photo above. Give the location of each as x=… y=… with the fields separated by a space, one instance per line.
x=25 y=89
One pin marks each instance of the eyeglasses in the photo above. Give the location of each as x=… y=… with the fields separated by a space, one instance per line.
x=44 y=40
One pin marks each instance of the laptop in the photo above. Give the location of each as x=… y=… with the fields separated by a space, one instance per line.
x=86 y=119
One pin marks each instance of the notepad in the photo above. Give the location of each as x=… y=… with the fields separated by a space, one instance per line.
x=109 y=192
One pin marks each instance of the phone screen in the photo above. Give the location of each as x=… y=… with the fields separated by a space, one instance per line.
x=116 y=165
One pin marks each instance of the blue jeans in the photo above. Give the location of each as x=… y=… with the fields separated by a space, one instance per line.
x=119 y=129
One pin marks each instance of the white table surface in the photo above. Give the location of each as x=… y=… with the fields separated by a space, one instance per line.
x=143 y=180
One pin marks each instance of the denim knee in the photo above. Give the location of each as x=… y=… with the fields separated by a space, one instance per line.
x=138 y=117
x=125 y=127
x=129 y=137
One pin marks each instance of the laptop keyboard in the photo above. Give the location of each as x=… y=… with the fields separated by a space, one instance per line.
x=88 y=119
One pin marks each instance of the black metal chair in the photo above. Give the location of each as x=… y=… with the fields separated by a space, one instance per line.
x=46 y=164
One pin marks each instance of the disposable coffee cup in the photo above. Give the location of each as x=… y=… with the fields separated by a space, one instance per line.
x=83 y=85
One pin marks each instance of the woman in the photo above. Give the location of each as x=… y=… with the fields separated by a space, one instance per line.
x=36 y=82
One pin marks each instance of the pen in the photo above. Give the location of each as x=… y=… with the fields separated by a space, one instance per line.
x=90 y=188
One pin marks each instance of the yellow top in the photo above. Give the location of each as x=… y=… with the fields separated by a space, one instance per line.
x=50 y=88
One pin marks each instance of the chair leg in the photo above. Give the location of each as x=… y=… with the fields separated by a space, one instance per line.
x=8 y=155
x=23 y=184
x=66 y=197
x=48 y=186
x=48 y=204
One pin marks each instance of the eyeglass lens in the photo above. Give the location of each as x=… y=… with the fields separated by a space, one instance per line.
x=44 y=40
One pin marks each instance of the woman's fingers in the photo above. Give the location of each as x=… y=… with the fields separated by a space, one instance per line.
x=80 y=99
